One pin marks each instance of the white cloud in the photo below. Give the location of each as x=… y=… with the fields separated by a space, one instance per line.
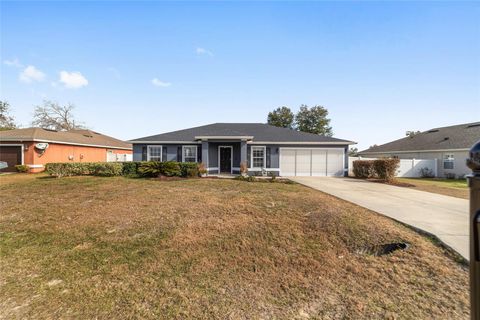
x=159 y=83
x=203 y=51
x=73 y=80
x=30 y=74
x=13 y=63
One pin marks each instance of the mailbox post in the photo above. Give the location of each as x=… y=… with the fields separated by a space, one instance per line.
x=474 y=184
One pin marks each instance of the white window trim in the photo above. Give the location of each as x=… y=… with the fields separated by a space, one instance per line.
x=449 y=158
x=189 y=146
x=264 y=156
x=154 y=146
x=231 y=158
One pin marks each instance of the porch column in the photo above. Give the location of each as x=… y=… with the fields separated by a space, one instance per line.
x=205 y=153
x=243 y=151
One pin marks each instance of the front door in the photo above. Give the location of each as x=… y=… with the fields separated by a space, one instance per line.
x=225 y=159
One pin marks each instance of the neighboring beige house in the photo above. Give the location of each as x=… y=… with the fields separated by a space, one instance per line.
x=449 y=145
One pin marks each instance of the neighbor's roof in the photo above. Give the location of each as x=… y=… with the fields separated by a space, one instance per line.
x=256 y=132
x=462 y=136
x=73 y=137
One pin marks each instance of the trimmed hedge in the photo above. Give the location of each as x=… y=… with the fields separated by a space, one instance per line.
x=363 y=169
x=103 y=169
x=128 y=169
x=384 y=169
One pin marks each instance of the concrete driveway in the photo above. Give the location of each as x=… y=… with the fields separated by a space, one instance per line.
x=446 y=217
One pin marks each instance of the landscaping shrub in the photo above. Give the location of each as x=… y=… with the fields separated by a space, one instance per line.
x=106 y=169
x=427 y=173
x=246 y=178
x=103 y=169
x=150 y=168
x=130 y=168
x=168 y=168
x=188 y=169
x=172 y=169
x=386 y=169
x=21 y=168
x=363 y=169
x=202 y=169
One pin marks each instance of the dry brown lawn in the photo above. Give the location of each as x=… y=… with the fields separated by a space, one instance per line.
x=89 y=247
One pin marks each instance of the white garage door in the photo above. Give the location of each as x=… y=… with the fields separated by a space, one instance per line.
x=311 y=162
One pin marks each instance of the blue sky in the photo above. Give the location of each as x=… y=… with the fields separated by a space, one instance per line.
x=136 y=69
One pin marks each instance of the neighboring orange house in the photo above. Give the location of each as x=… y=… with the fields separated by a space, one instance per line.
x=36 y=147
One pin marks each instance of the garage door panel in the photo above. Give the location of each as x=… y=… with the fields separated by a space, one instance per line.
x=335 y=162
x=12 y=155
x=312 y=162
x=287 y=162
x=319 y=162
x=303 y=162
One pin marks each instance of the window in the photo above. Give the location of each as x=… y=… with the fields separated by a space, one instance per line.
x=154 y=153
x=189 y=154
x=448 y=161
x=258 y=157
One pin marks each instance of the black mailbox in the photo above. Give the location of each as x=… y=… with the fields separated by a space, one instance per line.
x=474 y=184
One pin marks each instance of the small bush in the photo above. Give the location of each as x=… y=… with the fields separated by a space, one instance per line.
x=427 y=173
x=386 y=169
x=150 y=169
x=22 y=168
x=188 y=169
x=450 y=175
x=363 y=169
x=243 y=168
x=246 y=178
x=202 y=169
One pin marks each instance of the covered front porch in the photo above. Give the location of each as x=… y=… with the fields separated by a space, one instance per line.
x=224 y=156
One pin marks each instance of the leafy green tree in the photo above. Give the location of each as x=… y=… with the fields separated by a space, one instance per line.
x=353 y=152
x=313 y=120
x=7 y=122
x=281 y=117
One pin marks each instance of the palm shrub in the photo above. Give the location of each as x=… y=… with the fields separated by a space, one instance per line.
x=151 y=168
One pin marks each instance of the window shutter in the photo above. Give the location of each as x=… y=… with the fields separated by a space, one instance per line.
x=164 y=153
x=267 y=161
x=179 y=154
x=199 y=154
x=144 y=153
x=249 y=149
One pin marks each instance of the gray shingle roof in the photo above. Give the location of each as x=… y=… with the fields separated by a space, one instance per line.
x=461 y=136
x=259 y=131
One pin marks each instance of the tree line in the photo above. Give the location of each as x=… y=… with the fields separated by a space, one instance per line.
x=313 y=120
x=50 y=115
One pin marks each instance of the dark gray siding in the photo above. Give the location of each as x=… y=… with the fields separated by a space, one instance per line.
x=171 y=152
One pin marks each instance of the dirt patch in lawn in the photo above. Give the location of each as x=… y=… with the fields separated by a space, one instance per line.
x=90 y=247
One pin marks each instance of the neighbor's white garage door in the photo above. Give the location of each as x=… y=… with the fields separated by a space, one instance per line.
x=311 y=162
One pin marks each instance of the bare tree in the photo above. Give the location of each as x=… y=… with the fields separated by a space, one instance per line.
x=53 y=116
x=7 y=122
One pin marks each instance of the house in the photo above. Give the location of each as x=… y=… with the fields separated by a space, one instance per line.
x=222 y=147
x=36 y=147
x=449 y=145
